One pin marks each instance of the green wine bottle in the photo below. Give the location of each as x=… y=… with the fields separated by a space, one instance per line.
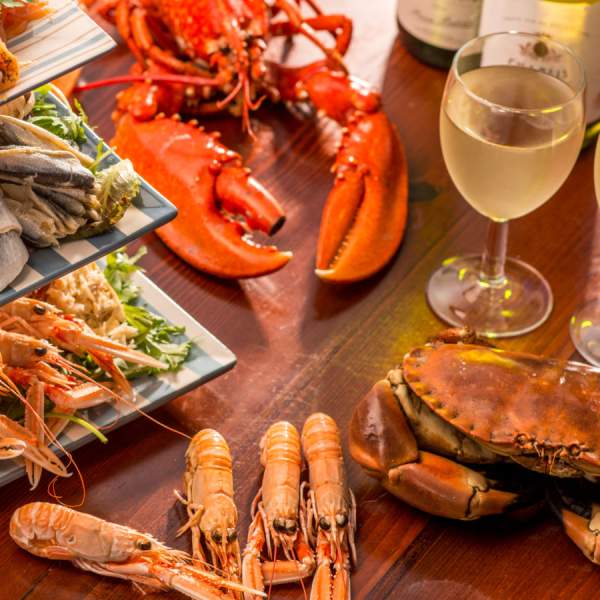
x=433 y=30
x=575 y=23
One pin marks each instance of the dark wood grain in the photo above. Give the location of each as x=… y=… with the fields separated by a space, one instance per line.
x=304 y=346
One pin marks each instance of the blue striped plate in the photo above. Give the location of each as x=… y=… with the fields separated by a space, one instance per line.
x=56 y=44
x=147 y=212
x=209 y=359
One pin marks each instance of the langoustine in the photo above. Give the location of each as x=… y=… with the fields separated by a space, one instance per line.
x=277 y=515
x=212 y=513
x=60 y=533
x=331 y=508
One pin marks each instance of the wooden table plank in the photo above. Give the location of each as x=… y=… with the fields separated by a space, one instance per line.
x=304 y=346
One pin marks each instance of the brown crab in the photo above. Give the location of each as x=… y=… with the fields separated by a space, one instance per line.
x=440 y=427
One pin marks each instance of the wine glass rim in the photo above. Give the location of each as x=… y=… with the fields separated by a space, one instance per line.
x=554 y=107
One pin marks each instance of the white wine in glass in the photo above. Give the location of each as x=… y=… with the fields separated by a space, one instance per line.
x=585 y=323
x=503 y=165
x=510 y=136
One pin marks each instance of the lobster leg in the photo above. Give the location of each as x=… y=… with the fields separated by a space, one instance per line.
x=213 y=181
x=365 y=213
x=339 y=25
x=133 y=28
x=382 y=442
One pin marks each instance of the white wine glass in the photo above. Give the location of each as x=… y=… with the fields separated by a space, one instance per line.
x=585 y=323
x=511 y=126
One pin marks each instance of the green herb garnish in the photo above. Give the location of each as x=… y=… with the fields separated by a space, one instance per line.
x=118 y=271
x=45 y=115
x=155 y=335
x=79 y=421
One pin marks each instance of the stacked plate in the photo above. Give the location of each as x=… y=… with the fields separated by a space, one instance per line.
x=56 y=44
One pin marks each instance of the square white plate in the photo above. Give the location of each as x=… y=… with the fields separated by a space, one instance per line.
x=60 y=42
x=209 y=358
x=147 y=212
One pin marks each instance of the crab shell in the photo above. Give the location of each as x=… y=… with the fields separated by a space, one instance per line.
x=542 y=413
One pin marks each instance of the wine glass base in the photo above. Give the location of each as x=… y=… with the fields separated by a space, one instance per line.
x=518 y=304
x=585 y=331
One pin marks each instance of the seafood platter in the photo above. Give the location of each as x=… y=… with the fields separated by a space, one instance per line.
x=88 y=342
x=194 y=355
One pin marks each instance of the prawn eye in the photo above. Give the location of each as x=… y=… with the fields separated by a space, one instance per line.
x=324 y=523
x=216 y=536
x=279 y=525
x=290 y=527
x=143 y=544
x=38 y=309
x=341 y=519
x=41 y=351
x=231 y=535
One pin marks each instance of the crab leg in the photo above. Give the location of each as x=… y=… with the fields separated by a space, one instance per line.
x=584 y=532
x=212 y=180
x=382 y=441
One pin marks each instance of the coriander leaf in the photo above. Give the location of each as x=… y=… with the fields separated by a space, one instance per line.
x=45 y=114
x=156 y=336
x=118 y=271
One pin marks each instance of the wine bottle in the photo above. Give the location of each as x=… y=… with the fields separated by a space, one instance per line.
x=433 y=30
x=575 y=23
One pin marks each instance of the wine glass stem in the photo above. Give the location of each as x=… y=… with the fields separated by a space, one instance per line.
x=494 y=256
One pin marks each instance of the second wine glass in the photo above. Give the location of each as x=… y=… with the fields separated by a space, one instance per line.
x=511 y=130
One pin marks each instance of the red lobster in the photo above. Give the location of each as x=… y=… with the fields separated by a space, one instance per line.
x=197 y=57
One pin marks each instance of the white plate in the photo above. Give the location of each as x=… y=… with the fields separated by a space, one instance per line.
x=209 y=359
x=147 y=212
x=60 y=42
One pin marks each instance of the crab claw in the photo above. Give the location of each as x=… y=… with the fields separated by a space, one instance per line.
x=382 y=442
x=576 y=505
x=216 y=198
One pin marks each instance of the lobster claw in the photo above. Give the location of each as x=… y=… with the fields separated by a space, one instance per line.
x=216 y=198
x=365 y=214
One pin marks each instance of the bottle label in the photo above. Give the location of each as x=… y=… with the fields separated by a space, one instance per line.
x=575 y=24
x=445 y=24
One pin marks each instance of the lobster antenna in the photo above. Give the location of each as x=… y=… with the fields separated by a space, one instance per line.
x=149 y=78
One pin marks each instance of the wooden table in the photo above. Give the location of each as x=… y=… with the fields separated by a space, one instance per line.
x=304 y=346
